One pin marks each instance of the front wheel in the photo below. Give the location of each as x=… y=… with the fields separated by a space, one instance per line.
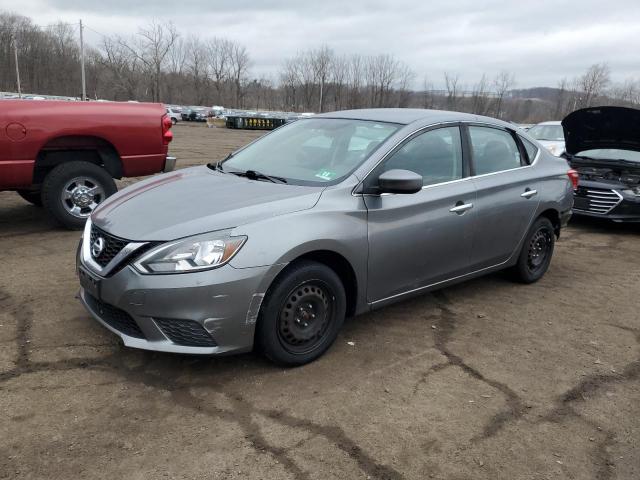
x=536 y=252
x=302 y=314
x=72 y=190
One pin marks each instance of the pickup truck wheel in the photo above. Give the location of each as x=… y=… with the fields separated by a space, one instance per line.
x=536 y=252
x=301 y=314
x=72 y=190
x=32 y=197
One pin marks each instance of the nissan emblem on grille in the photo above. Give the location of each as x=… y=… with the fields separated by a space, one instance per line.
x=97 y=247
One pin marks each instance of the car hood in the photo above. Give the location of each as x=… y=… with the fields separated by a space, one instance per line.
x=196 y=200
x=602 y=127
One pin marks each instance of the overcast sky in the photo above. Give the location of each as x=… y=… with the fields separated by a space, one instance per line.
x=540 y=41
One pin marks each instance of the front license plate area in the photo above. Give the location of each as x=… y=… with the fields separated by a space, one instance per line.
x=89 y=282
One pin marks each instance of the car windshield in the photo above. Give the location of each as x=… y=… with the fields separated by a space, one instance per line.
x=547 y=132
x=611 y=154
x=313 y=151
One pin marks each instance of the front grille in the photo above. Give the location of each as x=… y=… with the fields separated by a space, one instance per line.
x=112 y=247
x=114 y=317
x=185 y=332
x=596 y=200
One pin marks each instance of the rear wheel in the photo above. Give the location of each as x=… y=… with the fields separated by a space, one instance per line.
x=302 y=314
x=72 y=190
x=536 y=253
x=34 y=197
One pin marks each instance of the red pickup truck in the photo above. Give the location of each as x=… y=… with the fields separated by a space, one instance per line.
x=65 y=155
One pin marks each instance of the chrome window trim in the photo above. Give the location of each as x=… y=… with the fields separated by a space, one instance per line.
x=88 y=261
x=425 y=127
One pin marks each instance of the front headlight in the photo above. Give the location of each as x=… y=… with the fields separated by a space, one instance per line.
x=555 y=150
x=192 y=254
x=635 y=191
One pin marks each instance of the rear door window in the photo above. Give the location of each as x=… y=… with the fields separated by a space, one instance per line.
x=493 y=150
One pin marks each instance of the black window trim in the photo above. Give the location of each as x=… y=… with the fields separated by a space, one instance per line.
x=522 y=139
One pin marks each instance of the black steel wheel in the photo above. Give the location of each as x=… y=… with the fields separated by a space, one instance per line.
x=301 y=314
x=536 y=252
x=305 y=316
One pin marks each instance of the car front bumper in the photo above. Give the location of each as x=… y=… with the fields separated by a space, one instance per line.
x=606 y=200
x=211 y=312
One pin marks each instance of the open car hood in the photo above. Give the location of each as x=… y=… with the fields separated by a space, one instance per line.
x=602 y=127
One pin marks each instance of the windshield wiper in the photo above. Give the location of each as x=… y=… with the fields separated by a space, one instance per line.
x=255 y=175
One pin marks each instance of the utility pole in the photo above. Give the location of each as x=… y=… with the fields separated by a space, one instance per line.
x=15 y=54
x=84 y=85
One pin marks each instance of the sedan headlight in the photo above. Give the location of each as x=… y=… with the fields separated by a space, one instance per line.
x=192 y=254
x=555 y=150
x=635 y=191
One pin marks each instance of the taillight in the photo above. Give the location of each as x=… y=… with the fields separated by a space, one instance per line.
x=167 y=135
x=574 y=177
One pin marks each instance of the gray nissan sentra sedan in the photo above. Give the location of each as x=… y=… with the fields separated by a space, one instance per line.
x=323 y=218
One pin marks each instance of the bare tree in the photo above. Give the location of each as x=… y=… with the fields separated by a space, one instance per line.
x=561 y=98
x=480 y=96
x=593 y=83
x=626 y=93
x=354 y=82
x=451 y=84
x=405 y=77
x=427 y=94
x=219 y=53
x=122 y=65
x=321 y=61
x=151 y=46
x=503 y=82
x=239 y=67
x=339 y=78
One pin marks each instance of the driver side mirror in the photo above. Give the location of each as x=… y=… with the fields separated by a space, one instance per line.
x=399 y=181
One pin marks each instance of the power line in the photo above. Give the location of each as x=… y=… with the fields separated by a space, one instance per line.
x=57 y=24
x=95 y=31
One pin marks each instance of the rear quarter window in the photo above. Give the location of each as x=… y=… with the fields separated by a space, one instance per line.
x=530 y=148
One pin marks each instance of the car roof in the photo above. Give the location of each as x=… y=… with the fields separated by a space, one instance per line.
x=406 y=116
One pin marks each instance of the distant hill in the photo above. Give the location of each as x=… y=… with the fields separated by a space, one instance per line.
x=542 y=93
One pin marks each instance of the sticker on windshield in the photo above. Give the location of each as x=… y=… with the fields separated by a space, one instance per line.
x=326 y=174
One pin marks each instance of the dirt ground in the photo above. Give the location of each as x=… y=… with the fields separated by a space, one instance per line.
x=485 y=380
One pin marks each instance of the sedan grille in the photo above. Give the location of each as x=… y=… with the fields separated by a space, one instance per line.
x=114 y=317
x=185 y=332
x=596 y=200
x=112 y=246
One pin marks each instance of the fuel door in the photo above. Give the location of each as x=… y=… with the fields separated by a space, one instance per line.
x=16 y=131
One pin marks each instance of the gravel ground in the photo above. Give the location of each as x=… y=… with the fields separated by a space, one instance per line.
x=484 y=380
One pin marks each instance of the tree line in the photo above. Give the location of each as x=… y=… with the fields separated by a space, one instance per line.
x=159 y=64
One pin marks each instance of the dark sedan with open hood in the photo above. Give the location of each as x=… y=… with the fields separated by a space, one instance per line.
x=603 y=145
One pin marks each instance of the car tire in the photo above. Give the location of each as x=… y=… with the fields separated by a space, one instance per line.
x=72 y=190
x=536 y=253
x=33 y=197
x=173 y=121
x=301 y=314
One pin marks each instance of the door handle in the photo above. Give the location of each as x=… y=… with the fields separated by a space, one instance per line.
x=529 y=193
x=460 y=207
